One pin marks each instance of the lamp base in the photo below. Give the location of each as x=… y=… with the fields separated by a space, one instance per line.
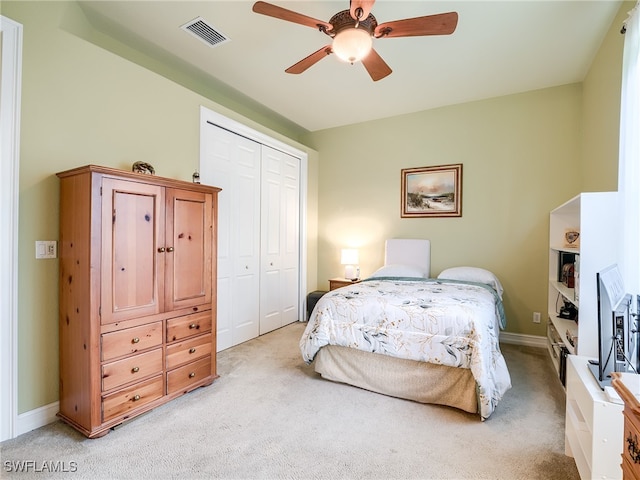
x=351 y=272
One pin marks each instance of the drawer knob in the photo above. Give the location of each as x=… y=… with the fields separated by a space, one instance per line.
x=192 y=326
x=136 y=398
x=135 y=340
x=169 y=249
x=192 y=350
x=192 y=374
x=135 y=369
x=161 y=250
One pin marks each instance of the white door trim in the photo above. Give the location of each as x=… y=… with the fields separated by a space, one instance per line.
x=10 y=93
x=207 y=115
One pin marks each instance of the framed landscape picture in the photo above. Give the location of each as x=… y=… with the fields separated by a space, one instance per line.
x=432 y=191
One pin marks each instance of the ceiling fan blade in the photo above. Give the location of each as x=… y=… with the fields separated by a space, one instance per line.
x=271 y=10
x=376 y=66
x=440 y=24
x=365 y=5
x=309 y=61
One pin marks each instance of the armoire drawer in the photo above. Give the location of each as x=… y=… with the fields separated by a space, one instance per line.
x=181 y=378
x=123 y=401
x=188 y=325
x=131 y=340
x=188 y=350
x=131 y=369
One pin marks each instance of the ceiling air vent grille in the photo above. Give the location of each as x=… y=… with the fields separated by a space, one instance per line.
x=205 y=32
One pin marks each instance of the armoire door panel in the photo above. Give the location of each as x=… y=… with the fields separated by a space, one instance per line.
x=188 y=255
x=132 y=230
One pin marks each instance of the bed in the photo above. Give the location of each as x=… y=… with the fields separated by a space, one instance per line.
x=404 y=334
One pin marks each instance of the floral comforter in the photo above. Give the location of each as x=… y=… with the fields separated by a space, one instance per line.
x=444 y=322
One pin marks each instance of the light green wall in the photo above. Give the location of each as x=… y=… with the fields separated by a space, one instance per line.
x=87 y=99
x=519 y=156
x=82 y=104
x=601 y=111
x=522 y=156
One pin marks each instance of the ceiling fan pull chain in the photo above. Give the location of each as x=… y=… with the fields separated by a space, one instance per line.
x=358 y=13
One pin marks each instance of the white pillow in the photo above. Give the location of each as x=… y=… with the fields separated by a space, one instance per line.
x=473 y=274
x=397 y=270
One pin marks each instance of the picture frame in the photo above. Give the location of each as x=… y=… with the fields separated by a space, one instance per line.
x=432 y=191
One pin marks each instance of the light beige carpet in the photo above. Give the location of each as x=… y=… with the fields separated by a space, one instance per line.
x=270 y=416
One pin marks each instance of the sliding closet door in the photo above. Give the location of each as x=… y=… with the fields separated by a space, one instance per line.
x=280 y=239
x=232 y=162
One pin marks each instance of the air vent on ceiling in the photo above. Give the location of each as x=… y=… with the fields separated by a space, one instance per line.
x=205 y=32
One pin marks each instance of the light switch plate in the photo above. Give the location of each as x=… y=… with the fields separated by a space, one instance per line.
x=46 y=249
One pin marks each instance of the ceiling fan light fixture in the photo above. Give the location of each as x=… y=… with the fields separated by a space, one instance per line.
x=352 y=44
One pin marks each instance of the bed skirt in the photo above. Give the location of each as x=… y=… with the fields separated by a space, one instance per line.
x=409 y=379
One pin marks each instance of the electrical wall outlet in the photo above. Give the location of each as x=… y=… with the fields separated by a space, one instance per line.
x=46 y=249
x=536 y=317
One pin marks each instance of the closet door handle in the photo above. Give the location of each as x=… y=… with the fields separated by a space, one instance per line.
x=169 y=249
x=161 y=250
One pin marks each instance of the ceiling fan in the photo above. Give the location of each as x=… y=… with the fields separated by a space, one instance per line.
x=353 y=32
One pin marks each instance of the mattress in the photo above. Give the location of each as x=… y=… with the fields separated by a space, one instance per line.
x=441 y=322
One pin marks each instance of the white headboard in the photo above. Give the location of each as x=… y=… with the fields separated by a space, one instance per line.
x=408 y=251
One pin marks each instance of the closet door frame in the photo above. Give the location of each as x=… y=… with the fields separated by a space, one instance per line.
x=209 y=116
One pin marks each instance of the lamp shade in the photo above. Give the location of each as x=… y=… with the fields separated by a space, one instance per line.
x=352 y=44
x=349 y=256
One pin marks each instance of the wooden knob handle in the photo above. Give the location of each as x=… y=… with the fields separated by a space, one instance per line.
x=136 y=398
x=135 y=340
x=192 y=350
x=192 y=326
x=135 y=369
x=192 y=374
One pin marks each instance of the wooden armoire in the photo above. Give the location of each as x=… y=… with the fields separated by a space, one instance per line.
x=137 y=311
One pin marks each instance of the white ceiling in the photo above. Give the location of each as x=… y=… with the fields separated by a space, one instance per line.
x=498 y=48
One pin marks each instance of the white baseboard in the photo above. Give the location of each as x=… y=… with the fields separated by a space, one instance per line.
x=521 y=339
x=45 y=415
x=37 y=418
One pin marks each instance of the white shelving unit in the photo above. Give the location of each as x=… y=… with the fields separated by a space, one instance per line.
x=594 y=215
x=594 y=426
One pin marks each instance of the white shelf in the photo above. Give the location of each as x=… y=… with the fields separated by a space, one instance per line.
x=594 y=426
x=566 y=292
x=593 y=214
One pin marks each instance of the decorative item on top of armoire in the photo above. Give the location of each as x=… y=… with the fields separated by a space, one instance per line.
x=143 y=167
x=137 y=316
x=431 y=191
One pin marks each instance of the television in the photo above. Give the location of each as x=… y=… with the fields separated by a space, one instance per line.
x=617 y=343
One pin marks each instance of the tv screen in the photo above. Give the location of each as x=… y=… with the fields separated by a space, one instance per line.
x=614 y=343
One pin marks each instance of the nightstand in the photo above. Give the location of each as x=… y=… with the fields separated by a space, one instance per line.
x=340 y=282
